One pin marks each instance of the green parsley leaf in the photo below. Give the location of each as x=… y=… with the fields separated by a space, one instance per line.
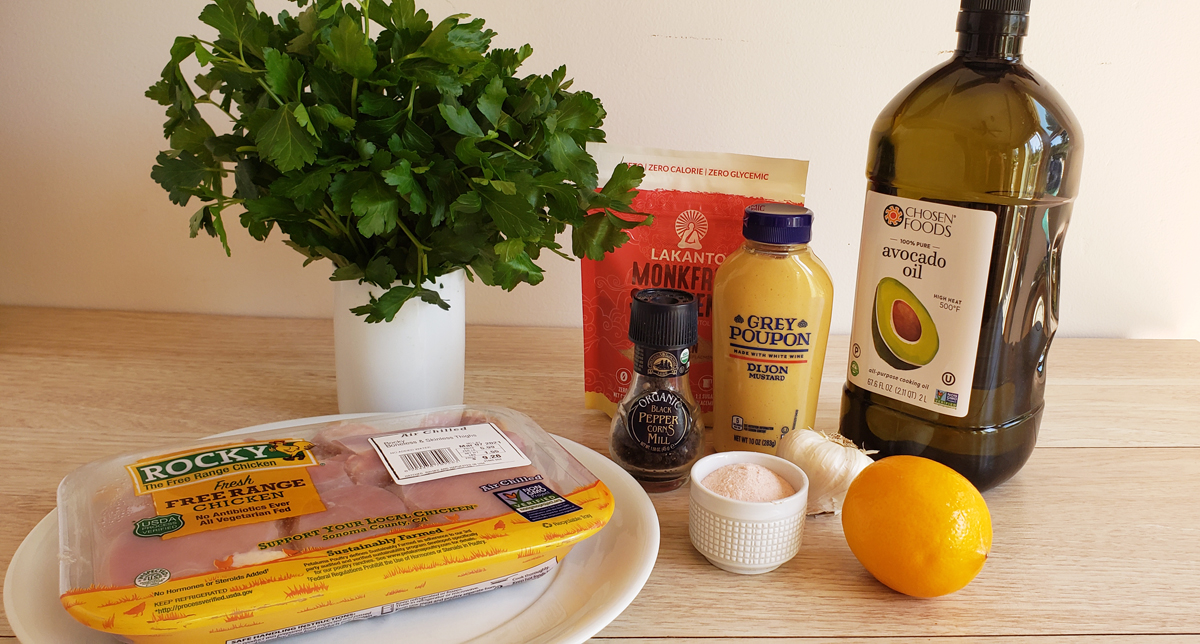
x=191 y=134
x=406 y=17
x=377 y=206
x=385 y=308
x=225 y=147
x=284 y=141
x=507 y=274
x=203 y=55
x=307 y=20
x=509 y=249
x=460 y=120
x=237 y=21
x=347 y=50
x=491 y=101
x=579 y=111
x=401 y=176
x=296 y=185
x=377 y=104
x=219 y=227
x=327 y=115
x=283 y=72
x=566 y=156
x=202 y=219
x=176 y=174
x=161 y=93
x=301 y=114
x=514 y=214
x=456 y=44
x=380 y=272
x=601 y=233
x=618 y=191
x=243 y=178
x=348 y=272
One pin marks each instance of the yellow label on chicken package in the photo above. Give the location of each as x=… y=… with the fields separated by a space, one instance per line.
x=224 y=486
x=389 y=569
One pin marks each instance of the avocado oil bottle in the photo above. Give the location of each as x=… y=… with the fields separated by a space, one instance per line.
x=972 y=171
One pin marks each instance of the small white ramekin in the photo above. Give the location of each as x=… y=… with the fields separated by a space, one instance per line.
x=743 y=536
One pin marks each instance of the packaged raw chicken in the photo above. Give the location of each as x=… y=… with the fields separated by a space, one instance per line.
x=257 y=536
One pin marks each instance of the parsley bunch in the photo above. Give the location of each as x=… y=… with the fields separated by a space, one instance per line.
x=399 y=158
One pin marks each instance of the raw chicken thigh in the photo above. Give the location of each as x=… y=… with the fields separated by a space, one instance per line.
x=355 y=486
x=128 y=555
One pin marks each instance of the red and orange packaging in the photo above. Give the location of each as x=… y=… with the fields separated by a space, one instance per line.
x=261 y=535
x=697 y=200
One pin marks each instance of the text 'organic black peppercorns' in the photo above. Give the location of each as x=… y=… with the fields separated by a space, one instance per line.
x=657 y=432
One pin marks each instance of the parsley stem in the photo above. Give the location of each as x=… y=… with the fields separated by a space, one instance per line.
x=264 y=86
x=217 y=105
x=323 y=226
x=223 y=51
x=420 y=247
x=412 y=99
x=337 y=222
x=366 y=11
x=512 y=149
x=354 y=99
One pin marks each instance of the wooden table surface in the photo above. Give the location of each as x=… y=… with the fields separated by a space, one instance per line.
x=1096 y=539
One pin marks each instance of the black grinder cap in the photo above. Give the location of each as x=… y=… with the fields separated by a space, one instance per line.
x=663 y=318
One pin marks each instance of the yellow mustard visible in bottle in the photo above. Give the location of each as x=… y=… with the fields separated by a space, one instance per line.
x=772 y=300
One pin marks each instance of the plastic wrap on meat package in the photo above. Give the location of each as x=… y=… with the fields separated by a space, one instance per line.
x=277 y=532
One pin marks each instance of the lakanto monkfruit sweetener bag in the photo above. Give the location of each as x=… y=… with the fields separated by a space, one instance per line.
x=697 y=200
x=253 y=536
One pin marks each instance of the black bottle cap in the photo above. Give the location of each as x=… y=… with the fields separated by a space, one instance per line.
x=663 y=318
x=994 y=17
x=997 y=6
x=777 y=223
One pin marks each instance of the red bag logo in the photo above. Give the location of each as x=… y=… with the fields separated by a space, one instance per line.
x=691 y=226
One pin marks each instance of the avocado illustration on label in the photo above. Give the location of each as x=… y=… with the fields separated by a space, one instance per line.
x=904 y=333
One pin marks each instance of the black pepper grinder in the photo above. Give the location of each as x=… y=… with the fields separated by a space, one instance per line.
x=657 y=432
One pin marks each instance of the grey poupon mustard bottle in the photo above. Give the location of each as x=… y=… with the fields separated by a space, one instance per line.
x=972 y=172
x=657 y=432
x=772 y=302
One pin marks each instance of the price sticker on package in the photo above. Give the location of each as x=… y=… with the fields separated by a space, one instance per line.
x=429 y=454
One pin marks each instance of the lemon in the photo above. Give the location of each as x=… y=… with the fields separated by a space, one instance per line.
x=918 y=526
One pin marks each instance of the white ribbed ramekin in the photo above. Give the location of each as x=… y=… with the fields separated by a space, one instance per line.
x=743 y=536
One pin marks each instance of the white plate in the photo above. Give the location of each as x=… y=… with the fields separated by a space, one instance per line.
x=594 y=583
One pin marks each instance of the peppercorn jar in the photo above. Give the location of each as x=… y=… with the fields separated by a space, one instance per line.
x=657 y=432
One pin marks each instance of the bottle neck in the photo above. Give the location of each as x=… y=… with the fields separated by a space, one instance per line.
x=678 y=384
x=991 y=36
x=774 y=249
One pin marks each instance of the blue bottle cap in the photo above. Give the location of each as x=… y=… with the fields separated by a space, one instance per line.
x=777 y=223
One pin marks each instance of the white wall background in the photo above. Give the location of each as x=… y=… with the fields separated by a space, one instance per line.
x=83 y=225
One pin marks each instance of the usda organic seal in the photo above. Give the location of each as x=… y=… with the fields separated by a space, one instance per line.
x=152 y=578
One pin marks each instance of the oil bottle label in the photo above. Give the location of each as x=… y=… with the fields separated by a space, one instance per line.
x=659 y=421
x=918 y=307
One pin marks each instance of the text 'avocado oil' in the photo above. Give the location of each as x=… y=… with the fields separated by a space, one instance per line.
x=972 y=172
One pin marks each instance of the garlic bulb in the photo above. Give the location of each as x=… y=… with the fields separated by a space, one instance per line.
x=830 y=462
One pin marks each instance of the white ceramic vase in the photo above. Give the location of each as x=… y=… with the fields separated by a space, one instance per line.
x=413 y=362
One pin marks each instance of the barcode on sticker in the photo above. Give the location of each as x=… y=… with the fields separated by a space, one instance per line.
x=431 y=453
x=431 y=458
